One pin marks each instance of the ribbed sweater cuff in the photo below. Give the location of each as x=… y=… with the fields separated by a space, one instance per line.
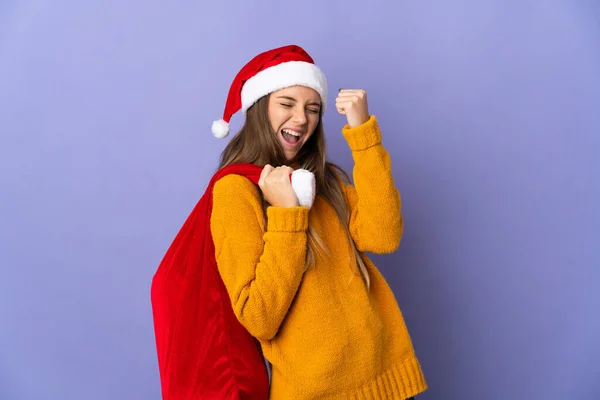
x=287 y=219
x=364 y=136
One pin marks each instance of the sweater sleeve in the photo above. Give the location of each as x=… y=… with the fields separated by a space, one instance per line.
x=262 y=269
x=376 y=223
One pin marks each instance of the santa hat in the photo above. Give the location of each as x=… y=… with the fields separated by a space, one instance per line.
x=266 y=73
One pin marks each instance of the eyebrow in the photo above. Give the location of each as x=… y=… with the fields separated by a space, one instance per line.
x=294 y=100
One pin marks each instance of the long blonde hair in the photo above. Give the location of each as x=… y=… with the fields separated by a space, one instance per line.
x=257 y=144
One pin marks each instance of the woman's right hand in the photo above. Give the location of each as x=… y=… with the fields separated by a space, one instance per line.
x=276 y=186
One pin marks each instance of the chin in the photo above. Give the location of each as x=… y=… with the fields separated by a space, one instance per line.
x=290 y=158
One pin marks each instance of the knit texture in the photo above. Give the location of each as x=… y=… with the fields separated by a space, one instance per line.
x=325 y=335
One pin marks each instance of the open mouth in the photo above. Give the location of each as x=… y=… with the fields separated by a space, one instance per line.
x=290 y=136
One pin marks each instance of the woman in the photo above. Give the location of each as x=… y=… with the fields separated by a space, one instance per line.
x=298 y=280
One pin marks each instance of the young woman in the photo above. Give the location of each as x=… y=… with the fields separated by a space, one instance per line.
x=297 y=277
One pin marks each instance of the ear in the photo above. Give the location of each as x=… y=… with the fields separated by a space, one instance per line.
x=305 y=186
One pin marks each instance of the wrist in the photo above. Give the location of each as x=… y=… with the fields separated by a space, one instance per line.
x=364 y=136
x=283 y=219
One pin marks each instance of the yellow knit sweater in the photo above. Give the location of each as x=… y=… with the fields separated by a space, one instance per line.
x=325 y=336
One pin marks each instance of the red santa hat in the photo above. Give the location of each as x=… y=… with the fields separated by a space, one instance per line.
x=266 y=73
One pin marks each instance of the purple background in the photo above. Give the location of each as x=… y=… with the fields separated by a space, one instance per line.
x=490 y=110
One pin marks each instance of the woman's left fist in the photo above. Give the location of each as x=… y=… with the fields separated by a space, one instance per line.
x=353 y=104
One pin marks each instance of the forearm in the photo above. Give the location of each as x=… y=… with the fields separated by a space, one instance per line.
x=376 y=220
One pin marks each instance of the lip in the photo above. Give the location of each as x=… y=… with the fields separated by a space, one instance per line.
x=293 y=129
x=291 y=146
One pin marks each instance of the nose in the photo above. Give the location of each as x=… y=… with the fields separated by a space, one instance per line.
x=299 y=116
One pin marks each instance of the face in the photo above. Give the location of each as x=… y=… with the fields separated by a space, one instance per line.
x=294 y=115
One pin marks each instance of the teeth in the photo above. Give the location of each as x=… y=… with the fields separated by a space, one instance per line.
x=291 y=132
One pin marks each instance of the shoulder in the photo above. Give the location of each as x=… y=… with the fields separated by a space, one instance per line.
x=235 y=184
x=235 y=196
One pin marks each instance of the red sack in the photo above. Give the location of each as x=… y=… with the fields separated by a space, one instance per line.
x=203 y=350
